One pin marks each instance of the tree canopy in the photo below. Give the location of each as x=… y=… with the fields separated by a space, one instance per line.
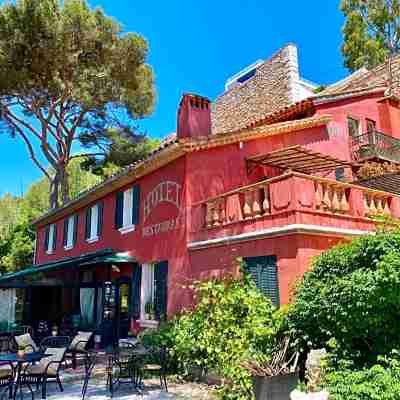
x=70 y=75
x=350 y=299
x=371 y=32
x=17 y=236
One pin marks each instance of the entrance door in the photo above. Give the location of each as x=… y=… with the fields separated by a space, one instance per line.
x=123 y=293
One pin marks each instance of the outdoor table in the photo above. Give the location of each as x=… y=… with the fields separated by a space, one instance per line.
x=27 y=358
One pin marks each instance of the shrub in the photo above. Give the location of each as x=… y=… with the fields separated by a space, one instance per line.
x=350 y=298
x=232 y=321
x=381 y=381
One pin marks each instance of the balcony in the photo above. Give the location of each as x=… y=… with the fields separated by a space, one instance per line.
x=375 y=145
x=292 y=198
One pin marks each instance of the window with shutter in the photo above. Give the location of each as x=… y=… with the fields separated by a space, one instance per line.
x=94 y=222
x=51 y=239
x=161 y=290
x=70 y=232
x=264 y=271
x=127 y=209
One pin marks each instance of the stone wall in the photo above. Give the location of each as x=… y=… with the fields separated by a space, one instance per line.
x=271 y=88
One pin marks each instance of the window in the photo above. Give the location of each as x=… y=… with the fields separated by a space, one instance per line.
x=70 y=231
x=264 y=271
x=50 y=239
x=354 y=127
x=127 y=209
x=152 y=279
x=94 y=222
x=371 y=125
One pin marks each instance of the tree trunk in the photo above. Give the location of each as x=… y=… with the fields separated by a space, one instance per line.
x=59 y=186
x=54 y=186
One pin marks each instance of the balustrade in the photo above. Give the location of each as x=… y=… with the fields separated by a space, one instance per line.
x=245 y=204
x=329 y=196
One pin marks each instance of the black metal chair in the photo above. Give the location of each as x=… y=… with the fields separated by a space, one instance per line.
x=90 y=363
x=7 y=374
x=46 y=370
x=156 y=362
x=120 y=369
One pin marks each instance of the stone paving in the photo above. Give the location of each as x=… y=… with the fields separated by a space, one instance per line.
x=98 y=391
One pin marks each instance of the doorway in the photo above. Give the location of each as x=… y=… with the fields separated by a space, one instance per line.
x=123 y=297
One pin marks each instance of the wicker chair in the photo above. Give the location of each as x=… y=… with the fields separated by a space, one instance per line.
x=25 y=341
x=78 y=346
x=6 y=379
x=55 y=342
x=46 y=370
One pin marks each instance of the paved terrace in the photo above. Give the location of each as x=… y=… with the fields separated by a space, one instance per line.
x=73 y=379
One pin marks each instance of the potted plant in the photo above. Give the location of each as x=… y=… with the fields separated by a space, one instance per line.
x=275 y=376
x=149 y=311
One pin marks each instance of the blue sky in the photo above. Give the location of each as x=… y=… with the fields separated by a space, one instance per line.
x=196 y=45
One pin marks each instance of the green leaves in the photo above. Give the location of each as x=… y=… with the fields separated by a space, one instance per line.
x=352 y=295
x=371 y=32
x=231 y=322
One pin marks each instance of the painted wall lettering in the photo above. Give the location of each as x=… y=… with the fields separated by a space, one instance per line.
x=167 y=191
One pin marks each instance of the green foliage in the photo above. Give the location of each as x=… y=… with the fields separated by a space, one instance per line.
x=69 y=73
x=371 y=32
x=381 y=381
x=349 y=300
x=16 y=214
x=232 y=322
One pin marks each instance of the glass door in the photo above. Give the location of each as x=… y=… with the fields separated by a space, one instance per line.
x=123 y=297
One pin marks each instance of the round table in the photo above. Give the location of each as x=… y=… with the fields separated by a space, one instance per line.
x=27 y=358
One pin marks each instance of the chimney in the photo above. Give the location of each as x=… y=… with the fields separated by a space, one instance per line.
x=194 y=116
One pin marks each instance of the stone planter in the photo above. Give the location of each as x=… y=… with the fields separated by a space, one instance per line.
x=274 y=387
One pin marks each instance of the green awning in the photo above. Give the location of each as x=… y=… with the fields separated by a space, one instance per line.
x=106 y=256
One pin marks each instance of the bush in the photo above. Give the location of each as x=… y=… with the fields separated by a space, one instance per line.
x=351 y=299
x=381 y=381
x=231 y=322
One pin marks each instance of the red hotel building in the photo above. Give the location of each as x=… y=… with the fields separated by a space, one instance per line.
x=264 y=172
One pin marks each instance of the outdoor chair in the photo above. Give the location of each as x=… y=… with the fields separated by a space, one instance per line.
x=26 y=342
x=46 y=370
x=157 y=363
x=90 y=363
x=6 y=379
x=78 y=346
x=55 y=342
x=120 y=370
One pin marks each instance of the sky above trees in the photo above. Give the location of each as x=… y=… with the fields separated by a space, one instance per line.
x=195 y=46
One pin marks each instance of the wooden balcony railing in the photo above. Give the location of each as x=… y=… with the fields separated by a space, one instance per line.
x=311 y=193
x=375 y=145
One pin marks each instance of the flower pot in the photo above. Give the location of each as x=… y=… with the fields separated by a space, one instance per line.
x=274 y=387
x=21 y=353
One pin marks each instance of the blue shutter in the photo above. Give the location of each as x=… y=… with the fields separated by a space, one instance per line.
x=136 y=290
x=264 y=271
x=161 y=289
x=47 y=238
x=119 y=210
x=88 y=220
x=100 y=210
x=55 y=237
x=76 y=220
x=65 y=231
x=135 y=204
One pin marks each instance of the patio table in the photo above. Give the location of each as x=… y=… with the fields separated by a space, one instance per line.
x=27 y=358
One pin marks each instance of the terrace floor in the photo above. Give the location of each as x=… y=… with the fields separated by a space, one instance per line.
x=72 y=382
